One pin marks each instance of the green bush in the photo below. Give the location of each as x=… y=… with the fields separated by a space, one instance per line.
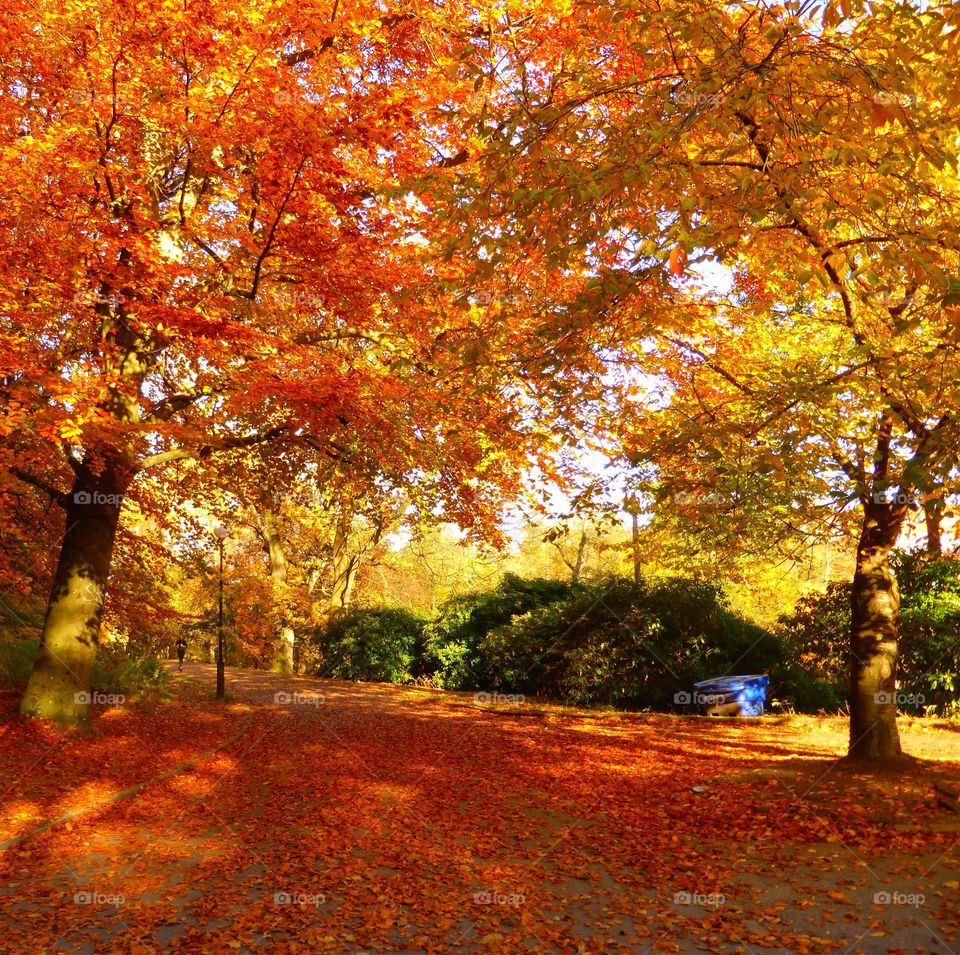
x=817 y=634
x=374 y=645
x=134 y=675
x=616 y=643
x=793 y=688
x=612 y=642
x=930 y=630
x=816 y=641
x=115 y=670
x=16 y=662
x=453 y=653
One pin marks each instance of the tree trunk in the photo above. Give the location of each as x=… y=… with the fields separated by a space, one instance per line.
x=874 y=634
x=931 y=513
x=635 y=538
x=344 y=580
x=344 y=563
x=283 y=659
x=60 y=684
x=581 y=553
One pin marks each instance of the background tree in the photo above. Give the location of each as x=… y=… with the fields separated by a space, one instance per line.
x=628 y=143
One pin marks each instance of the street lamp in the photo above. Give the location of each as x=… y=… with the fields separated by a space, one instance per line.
x=220 y=532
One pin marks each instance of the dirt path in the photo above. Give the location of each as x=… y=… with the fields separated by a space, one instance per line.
x=360 y=818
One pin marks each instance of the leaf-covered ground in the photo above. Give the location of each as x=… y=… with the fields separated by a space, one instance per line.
x=353 y=818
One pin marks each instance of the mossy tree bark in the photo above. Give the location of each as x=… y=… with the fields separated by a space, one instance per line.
x=60 y=684
x=874 y=636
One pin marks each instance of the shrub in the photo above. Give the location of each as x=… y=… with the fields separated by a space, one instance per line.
x=620 y=644
x=134 y=675
x=793 y=688
x=453 y=652
x=16 y=662
x=374 y=645
x=817 y=634
x=117 y=671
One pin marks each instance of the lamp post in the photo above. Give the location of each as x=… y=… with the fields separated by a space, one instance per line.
x=220 y=532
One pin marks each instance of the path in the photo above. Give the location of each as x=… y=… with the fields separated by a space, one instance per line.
x=361 y=818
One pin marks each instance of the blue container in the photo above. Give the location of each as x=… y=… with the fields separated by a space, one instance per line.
x=733 y=695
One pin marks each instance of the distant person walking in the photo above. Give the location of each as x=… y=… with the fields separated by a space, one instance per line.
x=181 y=650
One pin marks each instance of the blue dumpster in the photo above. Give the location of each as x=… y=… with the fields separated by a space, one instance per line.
x=733 y=695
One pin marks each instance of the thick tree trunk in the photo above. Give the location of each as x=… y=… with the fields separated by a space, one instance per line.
x=285 y=650
x=60 y=684
x=344 y=564
x=874 y=634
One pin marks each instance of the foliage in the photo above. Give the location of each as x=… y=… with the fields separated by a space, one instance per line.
x=453 y=642
x=613 y=643
x=783 y=289
x=626 y=645
x=134 y=675
x=816 y=634
x=16 y=661
x=206 y=224
x=118 y=670
x=371 y=645
x=930 y=622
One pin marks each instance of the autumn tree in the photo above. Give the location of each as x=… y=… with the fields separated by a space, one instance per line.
x=812 y=147
x=193 y=203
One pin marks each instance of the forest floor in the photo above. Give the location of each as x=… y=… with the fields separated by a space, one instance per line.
x=322 y=816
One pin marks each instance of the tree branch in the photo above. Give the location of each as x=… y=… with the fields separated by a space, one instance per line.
x=226 y=444
x=58 y=497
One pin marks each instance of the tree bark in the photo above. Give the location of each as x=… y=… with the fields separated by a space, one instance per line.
x=875 y=631
x=345 y=559
x=284 y=658
x=60 y=684
x=344 y=579
x=577 y=568
x=931 y=514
